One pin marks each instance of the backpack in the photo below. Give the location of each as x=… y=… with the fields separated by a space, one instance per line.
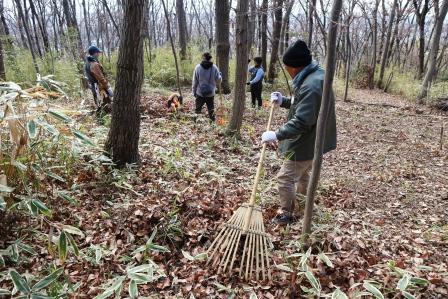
x=205 y=88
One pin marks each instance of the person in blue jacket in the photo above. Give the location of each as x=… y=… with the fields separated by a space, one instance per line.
x=256 y=82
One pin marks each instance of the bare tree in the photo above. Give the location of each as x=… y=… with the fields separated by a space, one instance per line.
x=285 y=26
x=182 y=28
x=440 y=14
x=278 y=15
x=322 y=118
x=242 y=55
x=264 y=34
x=421 y=10
x=385 y=53
x=124 y=133
x=222 y=31
x=28 y=34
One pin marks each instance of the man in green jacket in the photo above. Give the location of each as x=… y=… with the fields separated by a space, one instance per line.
x=297 y=136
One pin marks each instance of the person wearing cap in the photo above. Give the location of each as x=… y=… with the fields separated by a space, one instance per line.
x=96 y=75
x=297 y=136
x=205 y=77
x=256 y=82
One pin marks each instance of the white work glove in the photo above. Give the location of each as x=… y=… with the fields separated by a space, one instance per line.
x=110 y=92
x=276 y=98
x=268 y=136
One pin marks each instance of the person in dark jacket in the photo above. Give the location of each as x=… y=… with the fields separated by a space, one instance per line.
x=96 y=75
x=256 y=82
x=297 y=136
x=205 y=77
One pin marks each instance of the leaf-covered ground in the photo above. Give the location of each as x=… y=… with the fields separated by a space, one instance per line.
x=382 y=206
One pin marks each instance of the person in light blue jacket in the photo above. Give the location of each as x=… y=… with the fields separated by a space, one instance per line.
x=256 y=82
x=205 y=77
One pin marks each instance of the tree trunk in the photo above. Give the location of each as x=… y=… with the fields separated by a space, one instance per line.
x=348 y=57
x=264 y=34
x=28 y=34
x=385 y=53
x=124 y=134
x=375 y=43
x=311 y=12
x=275 y=40
x=242 y=56
x=106 y=6
x=173 y=48
x=323 y=116
x=251 y=25
x=420 y=17
x=284 y=29
x=222 y=27
x=73 y=34
x=435 y=42
x=182 y=28
x=42 y=27
x=2 y=62
x=86 y=22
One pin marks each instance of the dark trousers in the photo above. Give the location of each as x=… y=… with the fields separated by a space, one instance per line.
x=209 y=101
x=255 y=92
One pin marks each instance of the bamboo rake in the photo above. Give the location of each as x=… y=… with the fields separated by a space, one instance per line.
x=245 y=226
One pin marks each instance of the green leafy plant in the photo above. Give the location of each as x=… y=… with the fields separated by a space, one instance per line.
x=35 y=291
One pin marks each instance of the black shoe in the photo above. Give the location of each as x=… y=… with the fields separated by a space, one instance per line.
x=283 y=219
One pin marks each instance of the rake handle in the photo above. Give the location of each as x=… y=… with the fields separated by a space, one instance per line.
x=257 y=176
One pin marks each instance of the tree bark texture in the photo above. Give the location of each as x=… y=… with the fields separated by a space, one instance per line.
x=242 y=55
x=435 y=43
x=322 y=118
x=222 y=31
x=124 y=133
x=278 y=15
x=385 y=53
x=182 y=28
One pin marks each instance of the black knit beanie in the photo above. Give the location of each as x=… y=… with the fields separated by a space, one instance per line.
x=297 y=55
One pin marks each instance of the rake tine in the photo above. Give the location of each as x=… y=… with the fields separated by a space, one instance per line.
x=218 y=240
x=249 y=251
x=257 y=242
x=266 y=253
x=260 y=244
x=233 y=248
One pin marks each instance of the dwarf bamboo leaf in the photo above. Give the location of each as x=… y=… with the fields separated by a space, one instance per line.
x=48 y=280
x=41 y=207
x=313 y=281
x=40 y=296
x=73 y=230
x=26 y=248
x=83 y=138
x=324 y=258
x=72 y=243
x=403 y=283
x=67 y=197
x=338 y=294
x=372 y=289
x=19 y=282
x=4 y=292
x=284 y=267
x=157 y=248
x=2 y=261
x=2 y=204
x=133 y=290
x=419 y=281
x=55 y=176
x=32 y=129
x=62 y=246
x=6 y=189
x=19 y=165
x=253 y=295
x=60 y=116
x=408 y=295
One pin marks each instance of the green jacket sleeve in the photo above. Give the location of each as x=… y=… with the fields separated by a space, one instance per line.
x=305 y=115
x=286 y=102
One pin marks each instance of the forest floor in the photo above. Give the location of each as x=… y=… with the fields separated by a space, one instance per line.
x=382 y=206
